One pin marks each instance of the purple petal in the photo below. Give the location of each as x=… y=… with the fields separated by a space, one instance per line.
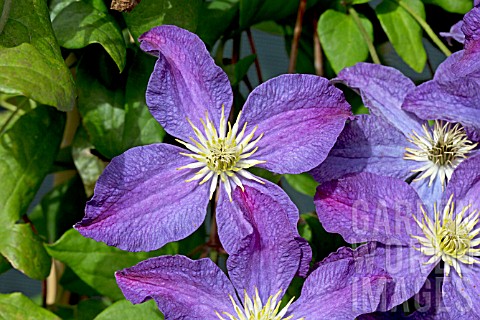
x=142 y=201
x=471 y=29
x=465 y=184
x=429 y=194
x=268 y=258
x=368 y=144
x=233 y=227
x=367 y=207
x=343 y=286
x=182 y=288
x=461 y=295
x=446 y=70
x=455 y=33
x=300 y=116
x=452 y=101
x=406 y=266
x=185 y=82
x=383 y=90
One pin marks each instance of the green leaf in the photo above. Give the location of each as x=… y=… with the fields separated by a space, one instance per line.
x=457 y=6
x=360 y=1
x=403 y=31
x=89 y=309
x=80 y=24
x=214 y=19
x=151 y=13
x=56 y=6
x=342 y=39
x=95 y=262
x=59 y=209
x=27 y=152
x=88 y=165
x=30 y=60
x=125 y=310
x=71 y=282
x=16 y=306
x=117 y=118
x=303 y=183
x=236 y=72
x=265 y=174
x=24 y=250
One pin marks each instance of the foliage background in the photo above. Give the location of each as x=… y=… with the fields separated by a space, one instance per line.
x=72 y=97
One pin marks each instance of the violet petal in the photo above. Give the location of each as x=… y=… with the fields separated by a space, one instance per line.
x=383 y=90
x=142 y=201
x=465 y=184
x=461 y=295
x=452 y=101
x=367 y=144
x=429 y=194
x=367 y=207
x=342 y=286
x=233 y=227
x=182 y=288
x=185 y=82
x=300 y=116
x=406 y=266
x=268 y=258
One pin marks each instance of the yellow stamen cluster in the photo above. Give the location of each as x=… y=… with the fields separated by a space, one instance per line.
x=254 y=309
x=221 y=155
x=452 y=239
x=442 y=149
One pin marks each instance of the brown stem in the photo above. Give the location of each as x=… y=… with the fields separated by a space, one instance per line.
x=296 y=36
x=236 y=49
x=317 y=49
x=44 y=293
x=254 y=51
x=26 y=219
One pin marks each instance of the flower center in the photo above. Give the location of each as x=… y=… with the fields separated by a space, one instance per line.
x=254 y=309
x=452 y=239
x=221 y=155
x=441 y=149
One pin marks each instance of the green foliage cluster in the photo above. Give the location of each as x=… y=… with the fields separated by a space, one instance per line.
x=72 y=97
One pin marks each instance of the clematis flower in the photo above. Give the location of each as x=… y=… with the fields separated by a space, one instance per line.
x=391 y=141
x=155 y=194
x=454 y=93
x=409 y=238
x=341 y=286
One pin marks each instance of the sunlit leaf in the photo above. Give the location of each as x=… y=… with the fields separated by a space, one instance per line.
x=30 y=60
x=342 y=39
x=16 y=306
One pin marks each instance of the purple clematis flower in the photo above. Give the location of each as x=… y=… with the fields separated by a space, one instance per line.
x=342 y=286
x=454 y=93
x=391 y=141
x=155 y=194
x=409 y=239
